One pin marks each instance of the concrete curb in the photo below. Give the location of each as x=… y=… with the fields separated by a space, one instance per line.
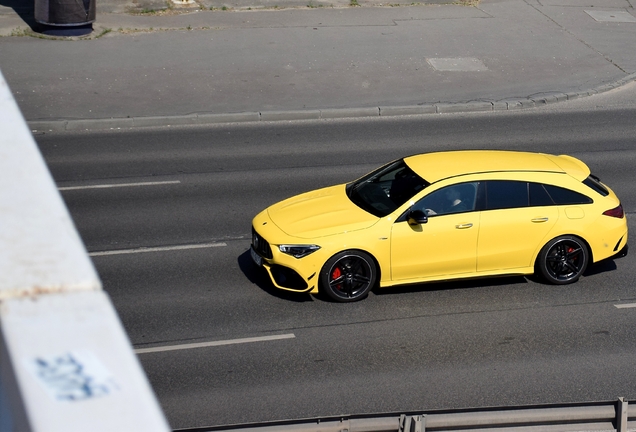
x=532 y=101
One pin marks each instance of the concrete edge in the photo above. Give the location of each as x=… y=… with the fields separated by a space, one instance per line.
x=532 y=101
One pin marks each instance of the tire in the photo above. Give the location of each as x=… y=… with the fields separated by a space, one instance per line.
x=563 y=260
x=348 y=276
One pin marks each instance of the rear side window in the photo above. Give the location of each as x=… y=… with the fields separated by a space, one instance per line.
x=502 y=194
x=562 y=196
x=539 y=196
x=595 y=183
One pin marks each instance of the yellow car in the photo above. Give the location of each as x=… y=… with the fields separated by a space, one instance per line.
x=442 y=216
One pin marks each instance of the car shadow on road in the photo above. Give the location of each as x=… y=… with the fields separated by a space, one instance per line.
x=24 y=9
x=598 y=268
x=452 y=285
x=259 y=277
x=601 y=267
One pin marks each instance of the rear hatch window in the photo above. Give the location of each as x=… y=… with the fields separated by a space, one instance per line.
x=595 y=183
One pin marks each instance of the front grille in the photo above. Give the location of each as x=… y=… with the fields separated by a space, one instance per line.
x=260 y=245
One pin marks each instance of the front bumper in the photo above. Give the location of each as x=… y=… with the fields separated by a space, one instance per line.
x=284 y=277
x=285 y=271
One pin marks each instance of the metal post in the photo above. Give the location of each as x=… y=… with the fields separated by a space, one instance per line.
x=621 y=414
x=416 y=423
x=65 y=17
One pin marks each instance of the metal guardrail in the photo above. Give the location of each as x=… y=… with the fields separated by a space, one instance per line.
x=616 y=416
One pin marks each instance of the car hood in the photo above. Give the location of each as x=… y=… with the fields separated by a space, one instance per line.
x=320 y=213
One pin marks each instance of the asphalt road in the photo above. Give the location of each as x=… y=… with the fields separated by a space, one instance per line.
x=486 y=343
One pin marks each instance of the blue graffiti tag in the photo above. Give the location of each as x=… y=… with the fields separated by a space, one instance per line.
x=68 y=378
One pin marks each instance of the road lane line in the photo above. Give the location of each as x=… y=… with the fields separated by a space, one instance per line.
x=115 y=185
x=215 y=343
x=157 y=249
x=625 y=305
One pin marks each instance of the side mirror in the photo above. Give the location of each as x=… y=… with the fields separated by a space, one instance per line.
x=417 y=217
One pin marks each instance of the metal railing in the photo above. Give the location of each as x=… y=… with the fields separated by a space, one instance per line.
x=599 y=416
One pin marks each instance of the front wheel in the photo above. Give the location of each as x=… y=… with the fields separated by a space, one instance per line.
x=563 y=260
x=348 y=276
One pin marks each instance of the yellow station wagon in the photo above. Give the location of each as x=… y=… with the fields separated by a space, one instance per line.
x=442 y=216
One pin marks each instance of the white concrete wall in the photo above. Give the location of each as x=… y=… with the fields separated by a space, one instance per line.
x=65 y=361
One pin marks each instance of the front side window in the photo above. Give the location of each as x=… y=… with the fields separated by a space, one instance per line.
x=385 y=189
x=457 y=198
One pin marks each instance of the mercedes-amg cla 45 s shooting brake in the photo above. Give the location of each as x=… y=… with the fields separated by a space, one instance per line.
x=442 y=216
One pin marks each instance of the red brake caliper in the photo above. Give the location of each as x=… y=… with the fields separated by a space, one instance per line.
x=335 y=274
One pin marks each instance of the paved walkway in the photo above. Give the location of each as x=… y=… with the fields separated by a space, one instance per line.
x=272 y=62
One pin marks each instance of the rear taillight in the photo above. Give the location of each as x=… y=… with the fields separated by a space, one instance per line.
x=616 y=212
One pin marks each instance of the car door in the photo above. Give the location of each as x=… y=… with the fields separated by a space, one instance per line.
x=515 y=222
x=446 y=244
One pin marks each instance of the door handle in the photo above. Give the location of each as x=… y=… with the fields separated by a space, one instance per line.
x=463 y=226
x=540 y=220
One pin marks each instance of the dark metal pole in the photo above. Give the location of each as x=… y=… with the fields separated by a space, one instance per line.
x=65 y=17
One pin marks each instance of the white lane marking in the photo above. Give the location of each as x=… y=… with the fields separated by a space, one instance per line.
x=215 y=343
x=625 y=305
x=106 y=186
x=157 y=249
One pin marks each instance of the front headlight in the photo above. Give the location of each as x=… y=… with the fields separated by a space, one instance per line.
x=298 y=251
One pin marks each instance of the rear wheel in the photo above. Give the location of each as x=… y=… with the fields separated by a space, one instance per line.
x=348 y=276
x=563 y=260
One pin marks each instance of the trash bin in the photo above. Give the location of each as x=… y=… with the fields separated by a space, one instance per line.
x=65 y=17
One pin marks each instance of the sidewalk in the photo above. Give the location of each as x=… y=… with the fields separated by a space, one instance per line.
x=280 y=63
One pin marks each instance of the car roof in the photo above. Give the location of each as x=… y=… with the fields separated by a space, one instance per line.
x=433 y=167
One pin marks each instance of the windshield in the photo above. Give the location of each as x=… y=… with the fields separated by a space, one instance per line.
x=385 y=189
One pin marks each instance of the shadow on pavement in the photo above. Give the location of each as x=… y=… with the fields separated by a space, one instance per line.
x=451 y=285
x=25 y=10
x=600 y=267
